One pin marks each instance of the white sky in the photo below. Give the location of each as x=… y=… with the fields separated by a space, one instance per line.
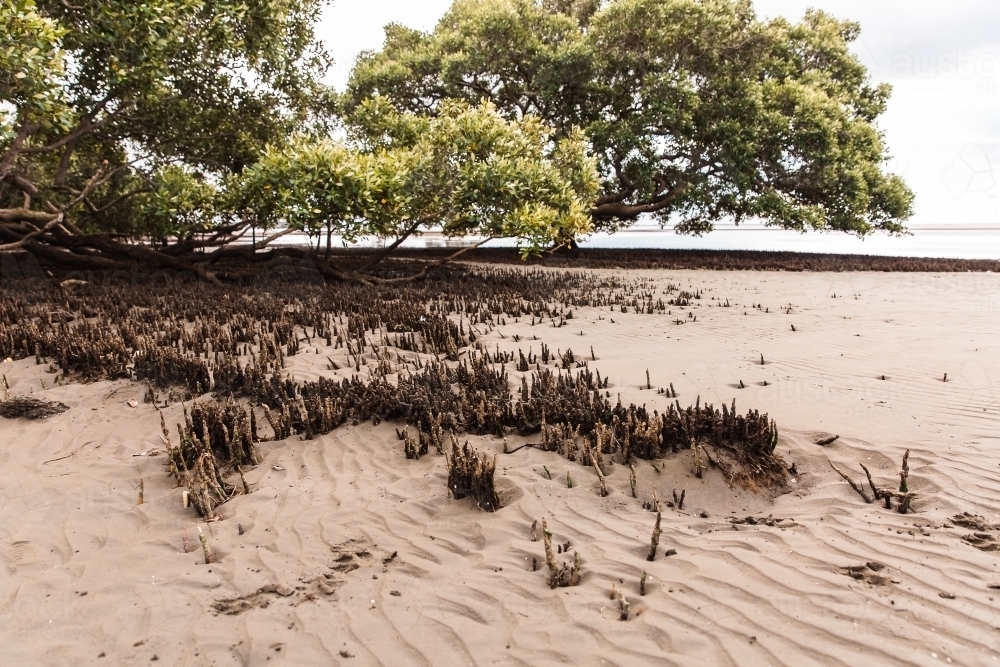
x=942 y=59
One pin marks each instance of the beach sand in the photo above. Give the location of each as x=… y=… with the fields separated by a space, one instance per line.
x=348 y=553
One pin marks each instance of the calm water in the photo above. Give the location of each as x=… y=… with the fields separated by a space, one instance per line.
x=967 y=243
x=964 y=244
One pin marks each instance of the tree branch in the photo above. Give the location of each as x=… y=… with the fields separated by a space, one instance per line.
x=273 y=237
x=81 y=130
x=609 y=210
x=64 y=160
x=25 y=215
x=136 y=252
x=85 y=126
x=118 y=200
x=860 y=489
x=626 y=190
x=613 y=198
x=389 y=249
x=27 y=237
x=65 y=257
x=22 y=184
x=429 y=267
x=10 y=156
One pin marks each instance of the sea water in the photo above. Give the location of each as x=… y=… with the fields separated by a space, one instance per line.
x=956 y=243
x=953 y=242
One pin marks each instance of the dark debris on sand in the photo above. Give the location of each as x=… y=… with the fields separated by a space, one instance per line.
x=871 y=572
x=411 y=353
x=715 y=260
x=29 y=407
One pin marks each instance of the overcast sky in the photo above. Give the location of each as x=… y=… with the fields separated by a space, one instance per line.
x=942 y=59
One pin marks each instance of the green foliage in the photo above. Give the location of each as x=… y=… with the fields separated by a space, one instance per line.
x=695 y=109
x=467 y=170
x=180 y=202
x=31 y=69
x=308 y=184
x=209 y=82
x=203 y=85
x=178 y=121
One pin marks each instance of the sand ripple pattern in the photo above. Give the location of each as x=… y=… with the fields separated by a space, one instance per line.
x=87 y=571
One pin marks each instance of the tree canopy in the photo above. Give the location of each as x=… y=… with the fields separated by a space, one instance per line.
x=696 y=109
x=466 y=170
x=156 y=131
x=116 y=117
x=179 y=124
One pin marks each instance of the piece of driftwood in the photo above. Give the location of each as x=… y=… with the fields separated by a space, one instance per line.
x=904 y=497
x=857 y=487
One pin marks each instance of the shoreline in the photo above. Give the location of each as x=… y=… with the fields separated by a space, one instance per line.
x=20 y=265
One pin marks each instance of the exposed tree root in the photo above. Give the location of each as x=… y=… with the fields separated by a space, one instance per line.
x=903 y=496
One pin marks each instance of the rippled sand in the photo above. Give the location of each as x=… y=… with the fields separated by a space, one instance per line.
x=351 y=554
